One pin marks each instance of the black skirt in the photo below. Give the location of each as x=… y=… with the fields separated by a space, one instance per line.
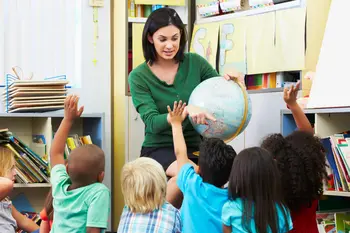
x=166 y=155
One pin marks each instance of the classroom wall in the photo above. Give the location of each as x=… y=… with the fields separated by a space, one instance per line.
x=119 y=101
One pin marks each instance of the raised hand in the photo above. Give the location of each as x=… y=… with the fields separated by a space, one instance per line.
x=177 y=115
x=71 y=111
x=291 y=94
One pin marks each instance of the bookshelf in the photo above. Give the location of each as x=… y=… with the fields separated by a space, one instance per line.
x=25 y=125
x=326 y=122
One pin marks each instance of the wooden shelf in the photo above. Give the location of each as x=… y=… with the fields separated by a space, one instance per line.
x=336 y=193
x=255 y=11
x=266 y=90
x=320 y=110
x=37 y=185
x=137 y=20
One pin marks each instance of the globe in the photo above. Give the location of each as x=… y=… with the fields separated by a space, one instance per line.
x=228 y=102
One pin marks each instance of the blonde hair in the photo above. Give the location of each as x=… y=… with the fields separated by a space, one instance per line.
x=144 y=185
x=6 y=160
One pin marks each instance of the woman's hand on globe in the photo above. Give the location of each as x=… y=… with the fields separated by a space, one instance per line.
x=198 y=116
x=235 y=76
x=178 y=114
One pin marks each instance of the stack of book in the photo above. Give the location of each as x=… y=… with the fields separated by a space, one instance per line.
x=75 y=141
x=30 y=167
x=333 y=222
x=338 y=158
x=35 y=96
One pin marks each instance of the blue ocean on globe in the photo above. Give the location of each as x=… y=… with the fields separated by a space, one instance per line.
x=228 y=102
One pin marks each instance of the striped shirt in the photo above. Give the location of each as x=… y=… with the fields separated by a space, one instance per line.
x=164 y=220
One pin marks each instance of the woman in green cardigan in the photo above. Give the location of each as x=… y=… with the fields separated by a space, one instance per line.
x=168 y=74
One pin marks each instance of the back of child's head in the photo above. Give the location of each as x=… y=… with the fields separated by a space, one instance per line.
x=86 y=165
x=215 y=161
x=255 y=179
x=144 y=185
x=302 y=163
x=7 y=160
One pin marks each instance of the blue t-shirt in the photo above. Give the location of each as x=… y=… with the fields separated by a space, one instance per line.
x=232 y=216
x=202 y=204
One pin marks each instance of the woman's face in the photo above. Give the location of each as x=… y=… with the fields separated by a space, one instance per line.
x=166 y=42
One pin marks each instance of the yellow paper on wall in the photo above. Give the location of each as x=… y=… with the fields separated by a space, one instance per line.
x=137 y=53
x=232 y=50
x=205 y=41
x=261 y=56
x=161 y=2
x=290 y=39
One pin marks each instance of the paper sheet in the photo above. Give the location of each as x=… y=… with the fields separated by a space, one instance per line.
x=230 y=5
x=232 y=50
x=161 y=2
x=207 y=7
x=205 y=41
x=137 y=53
x=330 y=87
x=290 y=39
x=261 y=57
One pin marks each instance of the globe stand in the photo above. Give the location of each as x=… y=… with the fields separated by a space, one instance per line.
x=245 y=114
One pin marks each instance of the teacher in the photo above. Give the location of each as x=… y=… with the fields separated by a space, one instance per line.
x=168 y=74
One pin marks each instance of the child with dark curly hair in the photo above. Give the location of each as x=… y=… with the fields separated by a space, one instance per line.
x=301 y=160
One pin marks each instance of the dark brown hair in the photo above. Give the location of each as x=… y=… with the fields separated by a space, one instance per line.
x=161 y=18
x=255 y=180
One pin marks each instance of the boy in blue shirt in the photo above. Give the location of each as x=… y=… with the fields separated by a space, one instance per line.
x=202 y=188
x=81 y=202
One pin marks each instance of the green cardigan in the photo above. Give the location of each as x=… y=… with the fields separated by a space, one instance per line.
x=151 y=97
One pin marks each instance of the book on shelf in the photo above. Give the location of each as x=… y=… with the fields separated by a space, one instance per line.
x=338 y=159
x=75 y=141
x=30 y=167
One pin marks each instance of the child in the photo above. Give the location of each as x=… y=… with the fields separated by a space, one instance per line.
x=144 y=188
x=10 y=218
x=204 y=195
x=256 y=201
x=46 y=214
x=302 y=163
x=81 y=202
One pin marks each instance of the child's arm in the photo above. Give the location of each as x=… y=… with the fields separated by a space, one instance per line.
x=175 y=119
x=93 y=230
x=227 y=229
x=23 y=222
x=71 y=112
x=6 y=186
x=290 y=97
x=44 y=227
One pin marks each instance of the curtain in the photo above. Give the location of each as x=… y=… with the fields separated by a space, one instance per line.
x=41 y=39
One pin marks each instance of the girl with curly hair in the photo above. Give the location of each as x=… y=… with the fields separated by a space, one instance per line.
x=301 y=160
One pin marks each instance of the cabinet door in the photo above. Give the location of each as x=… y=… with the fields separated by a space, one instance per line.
x=136 y=132
x=266 y=117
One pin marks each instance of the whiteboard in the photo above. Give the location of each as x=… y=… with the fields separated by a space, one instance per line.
x=330 y=87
